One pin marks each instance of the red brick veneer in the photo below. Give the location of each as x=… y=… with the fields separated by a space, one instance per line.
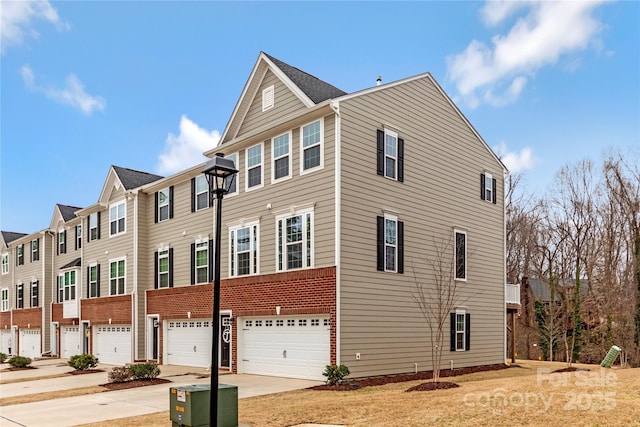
x=28 y=318
x=5 y=319
x=99 y=310
x=297 y=292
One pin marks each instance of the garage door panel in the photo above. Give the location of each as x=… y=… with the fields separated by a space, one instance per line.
x=5 y=340
x=30 y=343
x=70 y=341
x=112 y=344
x=189 y=342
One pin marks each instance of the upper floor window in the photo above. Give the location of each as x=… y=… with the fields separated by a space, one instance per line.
x=163 y=268
x=201 y=258
x=62 y=242
x=461 y=254
x=460 y=331
x=390 y=233
x=78 y=236
x=268 y=98
x=20 y=296
x=35 y=291
x=243 y=247
x=164 y=204
x=311 y=146
x=117 y=281
x=93 y=282
x=4 y=297
x=233 y=188
x=488 y=186
x=199 y=193
x=35 y=250
x=295 y=241
x=67 y=282
x=254 y=166
x=5 y=263
x=117 y=218
x=94 y=226
x=280 y=153
x=20 y=254
x=390 y=155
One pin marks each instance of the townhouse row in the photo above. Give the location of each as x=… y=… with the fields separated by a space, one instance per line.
x=343 y=204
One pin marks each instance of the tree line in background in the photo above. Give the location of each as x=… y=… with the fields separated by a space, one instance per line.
x=581 y=242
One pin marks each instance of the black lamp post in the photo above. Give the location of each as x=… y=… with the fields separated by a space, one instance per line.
x=220 y=173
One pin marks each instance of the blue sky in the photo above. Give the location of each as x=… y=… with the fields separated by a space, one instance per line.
x=151 y=85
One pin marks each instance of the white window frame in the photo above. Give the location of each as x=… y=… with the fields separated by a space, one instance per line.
x=118 y=218
x=320 y=143
x=388 y=132
x=4 y=297
x=5 y=263
x=119 y=277
x=163 y=253
x=62 y=240
x=35 y=253
x=93 y=282
x=20 y=254
x=164 y=206
x=488 y=187
x=235 y=157
x=93 y=218
x=268 y=98
x=394 y=246
x=201 y=246
x=20 y=299
x=68 y=289
x=455 y=254
x=307 y=239
x=248 y=168
x=289 y=136
x=79 y=236
x=462 y=332
x=34 y=285
x=201 y=179
x=254 y=248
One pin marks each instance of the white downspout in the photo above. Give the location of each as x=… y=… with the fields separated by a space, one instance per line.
x=335 y=105
x=134 y=300
x=504 y=269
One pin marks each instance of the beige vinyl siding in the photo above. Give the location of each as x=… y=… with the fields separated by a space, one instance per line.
x=143 y=268
x=46 y=287
x=285 y=102
x=443 y=161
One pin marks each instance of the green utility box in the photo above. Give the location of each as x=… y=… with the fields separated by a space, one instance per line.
x=189 y=405
x=611 y=356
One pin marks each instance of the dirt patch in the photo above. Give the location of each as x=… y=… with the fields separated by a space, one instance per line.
x=11 y=369
x=390 y=379
x=571 y=369
x=85 y=371
x=134 y=383
x=443 y=385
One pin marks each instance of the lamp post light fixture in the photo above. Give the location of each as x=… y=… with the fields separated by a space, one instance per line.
x=220 y=173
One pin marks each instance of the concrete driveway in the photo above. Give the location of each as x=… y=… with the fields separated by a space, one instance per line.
x=117 y=404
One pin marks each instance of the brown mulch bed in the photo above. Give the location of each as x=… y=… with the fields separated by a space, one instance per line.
x=86 y=371
x=571 y=369
x=388 y=379
x=134 y=383
x=433 y=386
x=17 y=369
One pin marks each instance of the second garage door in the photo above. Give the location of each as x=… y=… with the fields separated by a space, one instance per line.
x=30 y=343
x=112 y=344
x=189 y=343
x=294 y=347
x=70 y=341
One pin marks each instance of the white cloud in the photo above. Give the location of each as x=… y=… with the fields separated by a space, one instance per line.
x=548 y=30
x=16 y=21
x=516 y=162
x=185 y=150
x=71 y=94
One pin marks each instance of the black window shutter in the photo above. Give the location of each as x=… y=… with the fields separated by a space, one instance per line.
x=211 y=260
x=75 y=241
x=98 y=280
x=98 y=225
x=453 y=331
x=155 y=211
x=155 y=270
x=400 y=159
x=494 y=183
x=171 y=202
x=171 y=267
x=482 y=187
x=88 y=227
x=38 y=251
x=380 y=152
x=88 y=282
x=31 y=252
x=193 y=263
x=400 y=247
x=37 y=293
x=64 y=246
x=467 y=332
x=57 y=245
x=380 y=243
x=193 y=194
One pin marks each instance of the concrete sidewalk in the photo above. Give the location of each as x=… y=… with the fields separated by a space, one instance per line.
x=122 y=403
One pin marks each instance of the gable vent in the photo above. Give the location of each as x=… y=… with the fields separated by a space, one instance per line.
x=267 y=98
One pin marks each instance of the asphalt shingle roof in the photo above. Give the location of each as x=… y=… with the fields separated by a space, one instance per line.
x=68 y=212
x=133 y=179
x=75 y=263
x=316 y=89
x=10 y=236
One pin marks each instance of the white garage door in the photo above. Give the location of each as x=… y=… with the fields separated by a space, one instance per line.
x=189 y=342
x=70 y=341
x=294 y=347
x=30 y=343
x=112 y=344
x=5 y=341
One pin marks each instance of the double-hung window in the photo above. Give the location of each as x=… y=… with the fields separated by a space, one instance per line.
x=117 y=277
x=20 y=254
x=201 y=258
x=67 y=286
x=35 y=294
x=390 y=233
x=281 y=155
x=163 y=268
x=243 y=246
x=78 y=237
x=200 y=193
x=5 y=299
x=35 y=250
x=311 y=136
x=93 y=286
x=94 y=226
x=390 y=155
x=164 y=204
x=117 y=223
x=20 y=296
x=62 y=242
x=488 y=187
x=295 y=241
x=5 y=263
x=460 y=330
x=460 y=254
x=254 y=166
x=233 y=187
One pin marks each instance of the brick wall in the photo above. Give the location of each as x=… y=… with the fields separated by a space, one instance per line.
x=299 y=292
x=99 y=310
x=5 y=320
x=57 y=311
x=28 y=318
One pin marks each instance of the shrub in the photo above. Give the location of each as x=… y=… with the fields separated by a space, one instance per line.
x=82 y=362
x=19 y=362
x=3 y=357
x=119 y=374
x=335 y=373
x=144 y=371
